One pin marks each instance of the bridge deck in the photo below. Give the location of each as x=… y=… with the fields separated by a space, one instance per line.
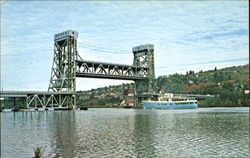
x=27 y=93
x=105 y=76
x=93 y=69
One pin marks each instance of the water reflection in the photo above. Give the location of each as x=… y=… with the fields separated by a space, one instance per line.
x=63 y=134
x=143 y=134
x=127 y=133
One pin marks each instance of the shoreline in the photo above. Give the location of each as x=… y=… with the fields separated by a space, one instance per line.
x=95 y=107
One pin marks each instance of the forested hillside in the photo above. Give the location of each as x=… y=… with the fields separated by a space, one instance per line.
x=230 y=85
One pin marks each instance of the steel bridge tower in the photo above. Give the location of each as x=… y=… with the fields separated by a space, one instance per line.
x=63 y=73
x=144 y=57
x=63 y=76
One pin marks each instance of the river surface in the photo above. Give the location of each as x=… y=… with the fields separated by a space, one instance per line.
x=203 y=132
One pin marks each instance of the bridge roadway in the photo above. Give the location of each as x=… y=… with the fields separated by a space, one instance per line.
x=42 y=98
x=94 y=69
x=28 y=93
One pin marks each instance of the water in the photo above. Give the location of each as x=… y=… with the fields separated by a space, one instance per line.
x=210 y=132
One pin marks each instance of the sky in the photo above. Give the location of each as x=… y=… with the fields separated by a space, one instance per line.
x=187 y=35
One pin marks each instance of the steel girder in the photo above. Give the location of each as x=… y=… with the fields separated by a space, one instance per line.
x=50 y=100
x=94 y=69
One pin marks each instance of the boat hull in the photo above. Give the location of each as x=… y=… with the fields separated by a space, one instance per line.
x=166 y=105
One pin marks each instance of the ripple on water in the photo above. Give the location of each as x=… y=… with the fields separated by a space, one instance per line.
x=212 y=132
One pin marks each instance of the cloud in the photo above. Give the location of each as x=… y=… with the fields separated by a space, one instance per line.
x=184 y=34
x=219 y=61
x=239 y=32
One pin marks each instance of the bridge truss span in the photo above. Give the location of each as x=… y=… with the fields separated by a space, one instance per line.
x=68 y=65
x=42 y=99
x=93 y=69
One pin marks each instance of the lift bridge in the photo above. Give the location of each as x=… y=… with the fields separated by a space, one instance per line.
x=68 y=65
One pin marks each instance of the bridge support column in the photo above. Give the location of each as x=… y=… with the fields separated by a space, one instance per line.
x=60 y=101
x=14 y=101
x=52 y=98
x=27 y=102
x=144 y=57
x=35 y=96
x=74 y=100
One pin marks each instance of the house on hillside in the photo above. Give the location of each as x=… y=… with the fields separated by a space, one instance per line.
x=237 y=85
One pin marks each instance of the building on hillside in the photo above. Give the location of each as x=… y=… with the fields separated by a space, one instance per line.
x=129 y=97
x=84 y=95
x=96 y=95
x=237 y=85
x=161 y=90
x=220 y=85
x=130 y=102
x=112 y=93
x=120 y=94
x=129 y=92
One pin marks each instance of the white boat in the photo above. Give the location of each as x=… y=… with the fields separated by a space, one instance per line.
x=165 y=102
x=184 y=104
x=7 y=110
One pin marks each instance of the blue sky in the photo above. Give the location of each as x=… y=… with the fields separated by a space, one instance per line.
x=188 y=35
